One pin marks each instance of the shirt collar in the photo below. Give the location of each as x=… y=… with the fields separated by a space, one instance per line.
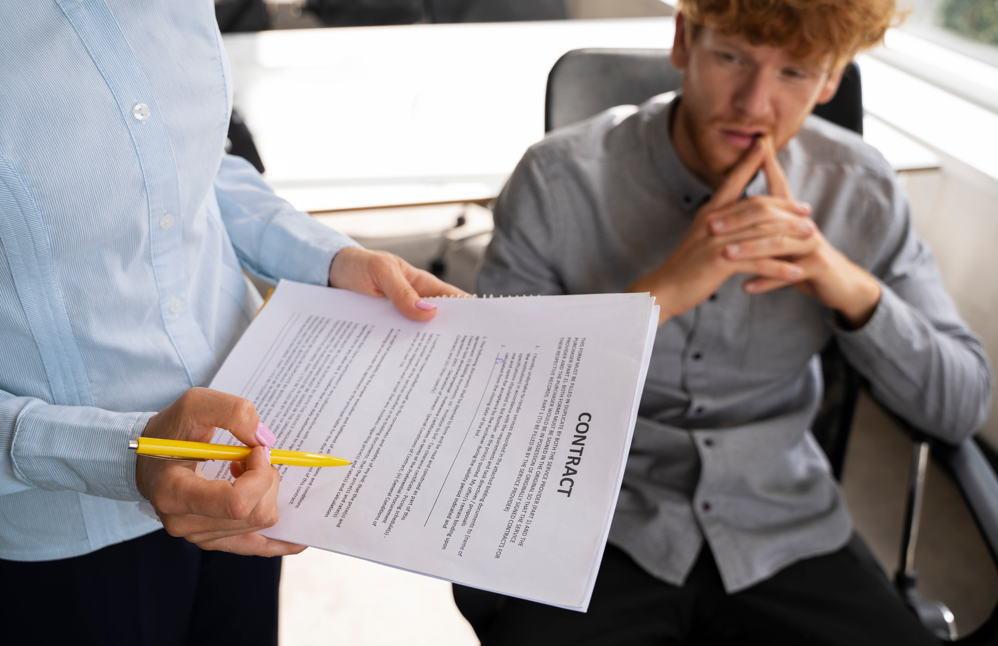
x=686 y=190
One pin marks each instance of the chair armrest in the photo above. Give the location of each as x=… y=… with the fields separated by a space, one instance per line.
x=974 y=477
x=977 y=482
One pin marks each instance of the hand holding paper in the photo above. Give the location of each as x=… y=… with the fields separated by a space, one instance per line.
x=378 y=273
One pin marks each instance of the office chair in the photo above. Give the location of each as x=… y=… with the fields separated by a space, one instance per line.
x=239 y=142
x=364 y=13
x=241 y=15
x=447 y=11
x=584 y=83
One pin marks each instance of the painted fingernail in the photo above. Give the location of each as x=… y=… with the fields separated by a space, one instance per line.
x=806 y=226
x=732 y=249
x=751 y=287
x=426 y=307
x=717 y=226
x=264 y=436
x=269 y=461
x=796 y=271
x=804 y=207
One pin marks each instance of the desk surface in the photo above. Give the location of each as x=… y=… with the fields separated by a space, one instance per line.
x=380 y=116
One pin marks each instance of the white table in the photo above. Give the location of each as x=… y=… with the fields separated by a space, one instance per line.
x=381 y=116
x=385 y=116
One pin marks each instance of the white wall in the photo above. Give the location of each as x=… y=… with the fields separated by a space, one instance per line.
x=956 y=212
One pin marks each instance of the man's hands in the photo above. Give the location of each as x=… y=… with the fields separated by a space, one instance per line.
x=701 y=263
x=826 y=274
x=214 y=514
x=377 y=273
x=769 y=237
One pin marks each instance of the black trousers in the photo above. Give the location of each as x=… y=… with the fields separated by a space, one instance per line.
x=155 y=590
x=840 y=599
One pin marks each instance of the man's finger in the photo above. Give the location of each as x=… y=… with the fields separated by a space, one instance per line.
x=771 y=268
x=788 y=228
x=737 y=179
x=750 y=212
x=769 y=247
x=763 y=285
x=776 y=179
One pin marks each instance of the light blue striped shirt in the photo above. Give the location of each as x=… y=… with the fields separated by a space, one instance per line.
x=123 y=227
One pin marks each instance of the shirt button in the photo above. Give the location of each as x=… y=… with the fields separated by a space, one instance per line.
x=713 y=297
x=705 y=506
x=708 y=442
x=140 y=111
x=166 y=221
x=697 y=356
x=176 y=305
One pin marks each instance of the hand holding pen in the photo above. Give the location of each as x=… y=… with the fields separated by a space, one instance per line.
x=214 y=514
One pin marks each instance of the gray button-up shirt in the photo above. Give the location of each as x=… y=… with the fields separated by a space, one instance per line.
x=722 y=449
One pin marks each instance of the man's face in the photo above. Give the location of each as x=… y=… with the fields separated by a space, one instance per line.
x=734 y=91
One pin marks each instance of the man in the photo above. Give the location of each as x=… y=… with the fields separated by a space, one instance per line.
x=124 y=230
x=763 y=233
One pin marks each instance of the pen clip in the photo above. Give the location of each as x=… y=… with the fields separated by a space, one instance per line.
x=174 y=458
x=134 y=445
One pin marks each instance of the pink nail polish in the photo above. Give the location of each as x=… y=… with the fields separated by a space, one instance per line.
x=264 y=436
x=717 y=226
x=732 y=250
x=426 y=307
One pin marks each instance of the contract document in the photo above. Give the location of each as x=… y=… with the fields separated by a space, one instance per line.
x=488 y=444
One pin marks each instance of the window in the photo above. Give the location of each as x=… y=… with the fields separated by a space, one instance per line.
x=967 y=26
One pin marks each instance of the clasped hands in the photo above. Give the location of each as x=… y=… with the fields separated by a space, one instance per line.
x=769 y=237
x=222 y=515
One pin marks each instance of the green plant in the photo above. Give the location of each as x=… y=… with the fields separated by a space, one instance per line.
x=974 y=19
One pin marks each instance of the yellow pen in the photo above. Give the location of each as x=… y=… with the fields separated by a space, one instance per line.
x=202 y=452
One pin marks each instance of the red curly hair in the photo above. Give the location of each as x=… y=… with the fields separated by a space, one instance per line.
x=838 y=29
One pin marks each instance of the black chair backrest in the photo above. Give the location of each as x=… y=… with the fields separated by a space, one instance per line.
x=363 y=13
x=241 y=15
x=833 y=421
x=846 y=107
x=585 y=82
x=495 y=10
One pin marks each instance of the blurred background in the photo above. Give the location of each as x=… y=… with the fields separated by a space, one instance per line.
x=399 y=121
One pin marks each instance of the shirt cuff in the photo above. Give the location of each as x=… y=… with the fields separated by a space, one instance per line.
x=79 y=449
x=879 y=339
x=300 y=248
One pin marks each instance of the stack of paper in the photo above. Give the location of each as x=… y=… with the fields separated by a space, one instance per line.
x=488 y=445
